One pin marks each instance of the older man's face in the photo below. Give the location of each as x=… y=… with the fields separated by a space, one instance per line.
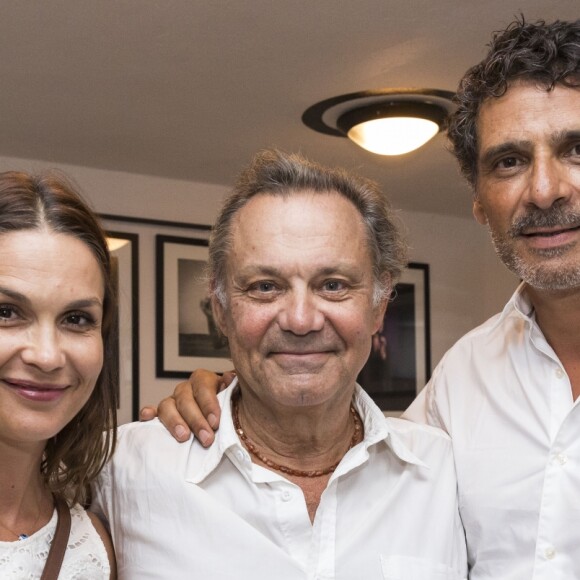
x=300 y=316
x=528 y=187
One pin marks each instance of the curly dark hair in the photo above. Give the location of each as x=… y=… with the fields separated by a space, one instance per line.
x=539 y=53
x=75 y=455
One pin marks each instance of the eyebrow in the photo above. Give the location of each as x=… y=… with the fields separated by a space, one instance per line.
x=556 y=139
x=564 y=136
x=86 y=303
x=496 y=151
x=81 y=303
x=14 y=295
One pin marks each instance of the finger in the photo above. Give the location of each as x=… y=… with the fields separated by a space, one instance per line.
x=201 y=419
x=147 y=413
x=226 y=380
x=204 y=389
x=172 y=420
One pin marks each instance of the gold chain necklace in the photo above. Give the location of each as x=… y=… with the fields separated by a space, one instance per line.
x=252 y=448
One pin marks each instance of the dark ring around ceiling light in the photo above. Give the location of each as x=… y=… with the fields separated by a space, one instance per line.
x=344 y=116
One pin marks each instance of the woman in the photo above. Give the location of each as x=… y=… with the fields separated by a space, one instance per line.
x=57 y=395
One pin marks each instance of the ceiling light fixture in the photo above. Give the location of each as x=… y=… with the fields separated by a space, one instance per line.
x=383 y=121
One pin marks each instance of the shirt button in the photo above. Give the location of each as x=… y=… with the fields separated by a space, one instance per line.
x=550 y=553
x=286 y=496
x=559 y=373
x=240 y=455
x=561 y=458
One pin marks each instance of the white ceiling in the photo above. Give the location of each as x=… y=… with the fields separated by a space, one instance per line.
x=190 y=89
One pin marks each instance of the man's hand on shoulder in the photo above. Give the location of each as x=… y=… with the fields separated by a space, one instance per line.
x=193 y=407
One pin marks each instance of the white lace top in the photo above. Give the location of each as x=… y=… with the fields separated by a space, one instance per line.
x=85 y=557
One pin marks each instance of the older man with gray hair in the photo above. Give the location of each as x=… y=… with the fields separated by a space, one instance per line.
x=307 y=478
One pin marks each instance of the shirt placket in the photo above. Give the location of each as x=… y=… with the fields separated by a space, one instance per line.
x=293 y=520
x=558 y=479
x=323 y=546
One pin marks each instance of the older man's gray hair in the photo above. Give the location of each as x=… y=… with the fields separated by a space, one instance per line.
x=273 y=172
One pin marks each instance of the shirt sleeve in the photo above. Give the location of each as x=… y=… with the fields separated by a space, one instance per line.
x=430 y=407
x=101 y=496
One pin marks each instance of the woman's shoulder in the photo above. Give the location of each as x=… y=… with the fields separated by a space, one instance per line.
x=90 y=550
x=86 y=556
x=107 y=542
x=144 y=438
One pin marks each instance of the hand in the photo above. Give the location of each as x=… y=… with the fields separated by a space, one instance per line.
x=193 y=405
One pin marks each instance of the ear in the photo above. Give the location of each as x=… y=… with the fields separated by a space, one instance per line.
x=381 y=308
x=219 y=314
x=478 y=212
x=380 y=312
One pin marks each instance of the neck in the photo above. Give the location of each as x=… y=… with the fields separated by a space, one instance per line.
x=305 y=439
x=308 y=442
x=558 y=316
x=25 y=502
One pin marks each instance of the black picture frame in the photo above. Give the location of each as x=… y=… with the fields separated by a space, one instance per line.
x=124 y=250
x=185 y=334
x=399 y=365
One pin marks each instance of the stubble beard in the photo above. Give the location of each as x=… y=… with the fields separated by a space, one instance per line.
x=553 y=269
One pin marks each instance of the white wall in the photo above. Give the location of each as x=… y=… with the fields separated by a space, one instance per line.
x=468 y=284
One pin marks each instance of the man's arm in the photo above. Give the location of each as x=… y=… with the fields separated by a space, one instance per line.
x=431 y=406
x=192 y=407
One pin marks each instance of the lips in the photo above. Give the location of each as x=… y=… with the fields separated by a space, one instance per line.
x=549 y=232
x=34 y=391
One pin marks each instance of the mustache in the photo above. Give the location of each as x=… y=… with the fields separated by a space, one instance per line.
x=302 y=344
x=544 y=218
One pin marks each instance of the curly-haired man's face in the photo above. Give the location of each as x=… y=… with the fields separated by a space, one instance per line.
x=528 y=185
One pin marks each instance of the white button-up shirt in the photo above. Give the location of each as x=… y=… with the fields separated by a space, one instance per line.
x=505 y=399
x=181 y=511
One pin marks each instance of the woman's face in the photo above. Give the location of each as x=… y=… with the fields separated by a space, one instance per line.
x=51 y=348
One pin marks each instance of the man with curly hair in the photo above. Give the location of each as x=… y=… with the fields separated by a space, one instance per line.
x=507 y=391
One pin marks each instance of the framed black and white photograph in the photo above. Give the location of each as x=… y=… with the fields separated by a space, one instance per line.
x=187 y=337
x=399 y=365
x=124 y=249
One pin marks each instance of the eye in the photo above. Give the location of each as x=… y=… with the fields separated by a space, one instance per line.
x=79 y=320
x=263 y=290
x=333 y=285
x=508 y=163
x=574 y=151
x=334 y=289
x=264 y=287
x=8 y=313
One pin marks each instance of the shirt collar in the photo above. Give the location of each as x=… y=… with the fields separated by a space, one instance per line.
x=377 y=429
x=518 y=305
x=202 y=462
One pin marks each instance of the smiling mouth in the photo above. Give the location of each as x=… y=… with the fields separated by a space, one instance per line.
x=28 y=386
x=37 y=393
x=310 y=353
x=549 y=233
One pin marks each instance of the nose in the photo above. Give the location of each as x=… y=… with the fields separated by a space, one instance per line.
x=300 y=313
x=549 y=183
x=44 y=349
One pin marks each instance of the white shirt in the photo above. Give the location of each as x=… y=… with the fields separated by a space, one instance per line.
x=179 y=510
x=85 y=557
x=506 y=400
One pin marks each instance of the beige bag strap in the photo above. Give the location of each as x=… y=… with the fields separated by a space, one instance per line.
x=59 y=542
